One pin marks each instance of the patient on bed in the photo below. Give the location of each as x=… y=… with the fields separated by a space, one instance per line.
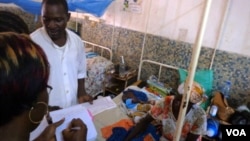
x=137 y=103
x=165 y=112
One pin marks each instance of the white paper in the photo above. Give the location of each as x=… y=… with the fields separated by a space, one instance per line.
x=99 y=105
x=133 y=6
x=77 y=111
x=35 y=133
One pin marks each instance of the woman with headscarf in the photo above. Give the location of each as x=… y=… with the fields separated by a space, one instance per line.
x=24 y=72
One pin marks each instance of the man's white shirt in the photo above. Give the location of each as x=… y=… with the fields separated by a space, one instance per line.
x=67 y=65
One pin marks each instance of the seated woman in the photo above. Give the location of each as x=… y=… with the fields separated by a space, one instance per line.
x=166 y=113
x=24 y=72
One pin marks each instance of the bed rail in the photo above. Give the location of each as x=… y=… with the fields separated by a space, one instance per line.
x=103 y=48
x=156 y=63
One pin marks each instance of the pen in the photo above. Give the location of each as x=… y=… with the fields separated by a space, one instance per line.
x=75 y=128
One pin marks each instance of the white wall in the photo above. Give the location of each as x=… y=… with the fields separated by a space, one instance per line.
x=180 y=19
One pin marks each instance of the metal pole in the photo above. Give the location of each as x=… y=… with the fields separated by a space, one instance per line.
x=222 y=27
x=191 y=73
x=144 y=40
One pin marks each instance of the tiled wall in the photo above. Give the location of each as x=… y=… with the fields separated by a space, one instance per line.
x=226 y=66
x=31 y=20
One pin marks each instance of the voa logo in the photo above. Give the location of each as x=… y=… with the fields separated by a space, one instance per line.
x=236 y=132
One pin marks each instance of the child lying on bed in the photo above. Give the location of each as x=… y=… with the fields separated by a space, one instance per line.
x=137 y=103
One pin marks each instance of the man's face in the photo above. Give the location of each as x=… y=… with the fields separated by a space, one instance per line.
x=55 y=18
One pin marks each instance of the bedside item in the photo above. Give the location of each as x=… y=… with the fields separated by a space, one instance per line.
x=122 y=67
x=225 y=89
x=156 y=87
x=224 y=110
x=213 y=110
x=212 y=127
x=117 y=83
x=241 y=116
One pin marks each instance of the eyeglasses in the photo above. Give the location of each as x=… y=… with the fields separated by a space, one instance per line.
x=49 y=89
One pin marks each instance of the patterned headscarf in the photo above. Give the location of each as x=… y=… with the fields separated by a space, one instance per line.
x=196 y=94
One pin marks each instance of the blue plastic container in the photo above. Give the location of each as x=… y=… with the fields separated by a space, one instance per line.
x=212 y=127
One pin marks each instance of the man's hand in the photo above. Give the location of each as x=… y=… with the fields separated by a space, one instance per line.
x=76 y=131
x=85 y=98
x=54 y=108
x=48 y=133
x=81 y=93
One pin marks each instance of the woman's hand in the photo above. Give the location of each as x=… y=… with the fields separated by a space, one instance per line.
x=85 y=98
x=76 y=131
x=48 y=133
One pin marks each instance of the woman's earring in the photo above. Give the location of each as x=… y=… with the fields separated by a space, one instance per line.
x=37 y=122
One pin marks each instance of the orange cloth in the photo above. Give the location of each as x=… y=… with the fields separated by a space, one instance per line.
x=148 y=137
x=125 y=123
x=107 y=130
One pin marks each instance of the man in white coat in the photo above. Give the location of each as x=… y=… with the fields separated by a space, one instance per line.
x=66 y=55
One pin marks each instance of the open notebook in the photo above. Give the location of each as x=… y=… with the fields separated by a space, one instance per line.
x=78 y=111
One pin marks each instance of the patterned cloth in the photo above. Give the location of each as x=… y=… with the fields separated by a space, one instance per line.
x=196 y=94
x=195 y=120
x=96 y=68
